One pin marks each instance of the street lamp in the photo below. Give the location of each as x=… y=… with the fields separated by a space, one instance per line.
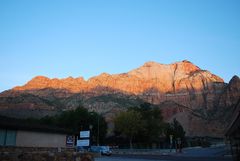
x=171 y=142
x=90 y=140
x=98 y=127
x=98 y=132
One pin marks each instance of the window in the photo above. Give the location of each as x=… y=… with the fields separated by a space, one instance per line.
x=7 y=137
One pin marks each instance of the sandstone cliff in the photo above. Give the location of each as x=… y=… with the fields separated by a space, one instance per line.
x=182 y=90
x=171 y=78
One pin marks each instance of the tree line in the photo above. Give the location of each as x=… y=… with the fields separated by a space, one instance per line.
x=78 y=120
x=145 y=125
x=142 y=124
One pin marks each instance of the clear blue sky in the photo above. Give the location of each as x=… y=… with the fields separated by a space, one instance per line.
x=58 y=38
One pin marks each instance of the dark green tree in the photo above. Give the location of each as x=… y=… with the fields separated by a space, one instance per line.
x=80 y=119
x=175 y=129
x=153 y=123
x=128 y=123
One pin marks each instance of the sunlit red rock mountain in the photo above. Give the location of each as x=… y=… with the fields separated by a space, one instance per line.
x=200 y=100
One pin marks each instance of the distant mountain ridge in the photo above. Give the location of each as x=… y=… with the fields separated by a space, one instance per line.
x=182 y=90
x=165 y=78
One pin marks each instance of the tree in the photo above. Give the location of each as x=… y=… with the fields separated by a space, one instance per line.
x=79 y=119
x=175 y=129
x=128 y=123
x=153 y=123
x=179 y=131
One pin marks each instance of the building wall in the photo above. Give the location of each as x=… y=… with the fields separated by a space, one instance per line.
x=7 y=137
x=40 y=139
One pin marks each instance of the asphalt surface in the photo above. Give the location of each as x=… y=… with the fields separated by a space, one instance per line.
x=161 y=158
x=193 y=154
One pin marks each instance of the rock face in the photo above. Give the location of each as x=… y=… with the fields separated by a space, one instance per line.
x=196 y=97
x=231 y=94
x=178 y=77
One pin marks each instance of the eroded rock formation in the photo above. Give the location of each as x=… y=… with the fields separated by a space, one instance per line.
x=182 y=90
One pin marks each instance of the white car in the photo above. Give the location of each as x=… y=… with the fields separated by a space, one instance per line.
x=104 y=150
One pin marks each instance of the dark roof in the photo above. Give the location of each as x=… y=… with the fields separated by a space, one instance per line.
x=21 y=124
x=235 y=124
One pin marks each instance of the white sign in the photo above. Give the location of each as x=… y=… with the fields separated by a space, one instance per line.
x=69 y=141
x=84 y=134
x=84 y=142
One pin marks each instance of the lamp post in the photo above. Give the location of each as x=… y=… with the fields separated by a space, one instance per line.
x=98 y=132
x=171 y=142
x=98 y=127
x=90 y=140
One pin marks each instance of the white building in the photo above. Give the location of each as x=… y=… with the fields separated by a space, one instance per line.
x=17 y=133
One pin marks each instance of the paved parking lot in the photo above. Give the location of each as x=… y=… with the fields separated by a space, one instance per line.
x=120 y=159
x=162 y=158
x=189 y=154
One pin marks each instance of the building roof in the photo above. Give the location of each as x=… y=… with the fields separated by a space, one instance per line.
x=20 y=124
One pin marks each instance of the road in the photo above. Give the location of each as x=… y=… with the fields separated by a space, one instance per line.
x=161 y=158
x=194 y=154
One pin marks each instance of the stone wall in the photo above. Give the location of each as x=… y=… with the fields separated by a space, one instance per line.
x=42 y=154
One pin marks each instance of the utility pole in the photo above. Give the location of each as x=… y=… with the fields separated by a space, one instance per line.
x=98 y=131
x=171 y=142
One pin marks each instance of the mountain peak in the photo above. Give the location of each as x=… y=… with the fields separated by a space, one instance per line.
x=186 y=61
x=104 y=74
x=151 y=63
x=38 y=80
x=235 y=79
x=152 y=70
x=156 y=63
x=40 y=77
x=35 y=82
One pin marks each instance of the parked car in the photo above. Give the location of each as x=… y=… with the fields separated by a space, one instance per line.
x=104 y=150
x=82 y=149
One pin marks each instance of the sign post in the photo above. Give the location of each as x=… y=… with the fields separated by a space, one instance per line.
x=171 y=142
x=84 y=142
x=69 y=141
x=84 y=134
x=84 y=139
